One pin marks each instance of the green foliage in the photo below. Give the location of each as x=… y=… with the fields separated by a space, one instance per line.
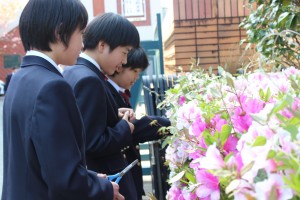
x=274 y=26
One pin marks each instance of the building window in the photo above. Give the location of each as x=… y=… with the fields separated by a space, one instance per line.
x=136 y=11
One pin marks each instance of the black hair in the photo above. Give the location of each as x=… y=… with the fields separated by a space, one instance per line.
x=45 y=21
x=112 y=29
x=137 y=59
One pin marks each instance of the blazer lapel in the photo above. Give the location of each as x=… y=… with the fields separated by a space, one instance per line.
x=38 y=61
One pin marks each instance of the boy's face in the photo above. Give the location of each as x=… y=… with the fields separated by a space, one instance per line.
x=68 y=56
x=127 y=77
x=111 y=60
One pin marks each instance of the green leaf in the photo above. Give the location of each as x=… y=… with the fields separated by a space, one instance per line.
x=166 y=142
x=232 y=186
x=286 y=2
x=261 y=175
x=229 y=81
x=295 y=121
x=260 y=141
x=246 y=168
x=273 y=193
x=281 y=118
x=248 y=46
x=225 y=133
x=283 y=16
x=228 y=157
x=221 y=71
x=191 y=177
x=292 y=129
x=177 y=177
x=208 y=138
x=268 y=95
x=258 y=119
x=289 y=21
x=271 y=154
x=279 y=106
x=261 y=94
x=242 y=41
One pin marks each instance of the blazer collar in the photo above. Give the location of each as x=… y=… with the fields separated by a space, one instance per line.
x=91 y=66
x=113 y=90
x=28 y=61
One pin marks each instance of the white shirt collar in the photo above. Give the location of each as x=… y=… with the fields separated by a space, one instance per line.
x=83 y=55
x=118 y=88
x=42 y=55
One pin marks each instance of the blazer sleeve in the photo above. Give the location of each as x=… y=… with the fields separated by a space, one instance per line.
x=145 y=131
x=57 y=136
x=102 y=139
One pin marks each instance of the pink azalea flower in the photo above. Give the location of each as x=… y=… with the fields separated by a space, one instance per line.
x=235 y=162
x=181 y=100
x=174 y=193
x=213 y=159
x=286 y=113
x=264 y=188
x=295 y=106
x=195 y=154
x=209 y=188
x=291 y=71
x=253 y=105
x=243 y=191
x=230 y=144
x=241 y=118
x=218 y=122
x=241 y=121
x=188 y=195
x=197 y=127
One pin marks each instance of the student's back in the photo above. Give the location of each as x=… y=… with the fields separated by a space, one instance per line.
x=107 y=40
x=26 y=119
x=43 y=134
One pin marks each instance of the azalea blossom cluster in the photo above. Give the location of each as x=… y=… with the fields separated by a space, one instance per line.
x=234 y=137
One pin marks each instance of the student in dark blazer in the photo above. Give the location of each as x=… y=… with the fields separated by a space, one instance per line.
x=107 y=40
x=44 y=150
x=119 y=84
x=8 y=77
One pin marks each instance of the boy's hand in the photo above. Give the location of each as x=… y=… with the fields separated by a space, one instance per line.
x=117 y=195
x=102 y=175
x=131 y=113
x=126 y=118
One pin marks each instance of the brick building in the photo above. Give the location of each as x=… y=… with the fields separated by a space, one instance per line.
x=204 y=31
x=10 y=44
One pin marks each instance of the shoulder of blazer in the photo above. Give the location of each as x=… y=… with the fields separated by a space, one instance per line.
x=29 y=61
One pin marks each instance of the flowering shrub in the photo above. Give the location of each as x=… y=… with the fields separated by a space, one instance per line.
x=234 y=137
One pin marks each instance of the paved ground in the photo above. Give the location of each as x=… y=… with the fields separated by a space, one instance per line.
x=147 y=179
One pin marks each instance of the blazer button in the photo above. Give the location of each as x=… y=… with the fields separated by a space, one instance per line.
x=124 y=156
x=137 y=147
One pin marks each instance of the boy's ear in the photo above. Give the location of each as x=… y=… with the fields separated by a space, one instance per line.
x=119 y=69
x=101 y=46
x=57 y=33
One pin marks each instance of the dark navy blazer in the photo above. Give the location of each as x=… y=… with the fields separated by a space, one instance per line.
x=44 y=139
x=106 y=134
x=143 y=132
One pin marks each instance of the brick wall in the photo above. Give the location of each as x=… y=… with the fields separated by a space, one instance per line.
x=205 y=32
x=9 y=44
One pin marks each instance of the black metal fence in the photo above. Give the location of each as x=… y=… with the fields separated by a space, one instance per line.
x=154 y=87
